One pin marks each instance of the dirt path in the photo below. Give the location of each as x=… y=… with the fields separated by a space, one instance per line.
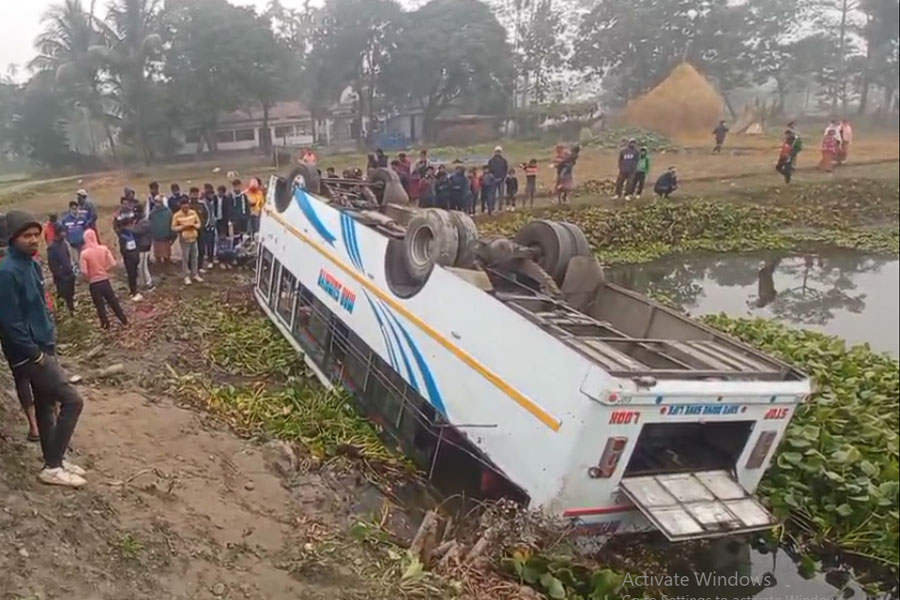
x=175 y=508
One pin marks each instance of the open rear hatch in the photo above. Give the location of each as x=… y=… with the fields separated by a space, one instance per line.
x=702 y=504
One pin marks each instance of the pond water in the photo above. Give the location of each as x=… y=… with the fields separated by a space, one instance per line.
x=847 y=294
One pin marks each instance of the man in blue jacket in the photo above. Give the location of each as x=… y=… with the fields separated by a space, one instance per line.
x=27 y=336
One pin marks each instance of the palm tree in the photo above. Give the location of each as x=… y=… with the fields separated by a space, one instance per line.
x=131 y=42
x=64 y=49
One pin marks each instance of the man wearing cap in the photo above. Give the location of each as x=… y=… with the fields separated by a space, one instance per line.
x=90 y=211
x=499 y=168
x=27 y=339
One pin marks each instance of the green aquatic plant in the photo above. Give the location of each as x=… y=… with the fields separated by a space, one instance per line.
x=835 y=476
x=646 y=231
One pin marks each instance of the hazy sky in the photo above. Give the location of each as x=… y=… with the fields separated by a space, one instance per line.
x=22 y=19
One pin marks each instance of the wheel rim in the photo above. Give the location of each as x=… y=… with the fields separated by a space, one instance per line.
x=420 y=245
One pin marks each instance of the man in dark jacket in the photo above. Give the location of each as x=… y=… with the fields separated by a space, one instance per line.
x=240 y=208
x=175 y=198
x=60 y=263
x=629 y=157
x=499 y=168
x=667 y=183
x=381 y=159
x=125 y=219
x=27 y=338
x=461 y=194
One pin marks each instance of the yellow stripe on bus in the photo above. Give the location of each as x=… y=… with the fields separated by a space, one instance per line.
x=517 y=396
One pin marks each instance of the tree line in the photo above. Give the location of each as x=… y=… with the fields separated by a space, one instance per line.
x=126 y=81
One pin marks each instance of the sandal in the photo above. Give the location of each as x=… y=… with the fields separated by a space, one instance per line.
x=31 y=437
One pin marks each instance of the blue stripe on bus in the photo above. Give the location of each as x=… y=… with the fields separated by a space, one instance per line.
x=384 y=336
x=309 y=212
x=354 y=243
x=345 y=235
x=409 y=370
x=433 y=393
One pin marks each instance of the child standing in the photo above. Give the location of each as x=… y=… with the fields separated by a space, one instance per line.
x=636 y=186
x=512 y=188
x=830 y=147
x=474 y=188
x=531 y=170
x=257 y=198
x=488 y=193
x=96 y=261
x=60 y=263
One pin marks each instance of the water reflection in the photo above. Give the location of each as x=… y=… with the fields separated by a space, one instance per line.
x=848 y=294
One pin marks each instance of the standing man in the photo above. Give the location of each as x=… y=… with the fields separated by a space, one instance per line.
x=27 y=336
x=175 y=198
x=720 y=132
x=124 y=223
x=499 y=168
x=187 y=224
x=74 y=224
x=788 y=155
x=629 y=157
x=90 y=211
x=240 y=209
x=223 y=212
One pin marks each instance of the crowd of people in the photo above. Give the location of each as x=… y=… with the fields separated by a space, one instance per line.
x=495 y=185
x=211 y=226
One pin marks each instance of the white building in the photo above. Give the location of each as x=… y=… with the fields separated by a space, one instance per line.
x=290 y=125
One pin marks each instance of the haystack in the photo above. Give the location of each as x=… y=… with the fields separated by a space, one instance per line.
x=684 y=104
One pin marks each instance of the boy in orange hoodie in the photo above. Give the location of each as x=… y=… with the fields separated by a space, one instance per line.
x=96 y=261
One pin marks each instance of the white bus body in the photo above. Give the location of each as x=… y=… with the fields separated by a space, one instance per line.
x=479 y=372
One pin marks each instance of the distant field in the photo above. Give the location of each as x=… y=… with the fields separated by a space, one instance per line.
x=746 y=163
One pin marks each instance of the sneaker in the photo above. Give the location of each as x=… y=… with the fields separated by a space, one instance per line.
x=198 y=279
x=202 y=270
x=627 y=198
x=615 y=197
x=187 y=281
x=137 y=298
x=60 y=476
x=209 y=266
x=151 y=288
x=73 y=468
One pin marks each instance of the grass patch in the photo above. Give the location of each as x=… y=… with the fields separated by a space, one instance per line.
x=836 y=474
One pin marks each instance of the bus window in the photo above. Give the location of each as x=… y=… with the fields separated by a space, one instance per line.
x=417 y=434
x=265 y=273
x=287 y=292
x=384 y=392
x=350 y=357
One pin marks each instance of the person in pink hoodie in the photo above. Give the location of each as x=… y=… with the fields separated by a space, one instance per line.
x=96 y=261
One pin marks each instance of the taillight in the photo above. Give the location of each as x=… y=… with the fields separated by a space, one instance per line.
x=610 y=458
x=761 y=449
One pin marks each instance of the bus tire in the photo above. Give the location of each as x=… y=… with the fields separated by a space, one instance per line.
x=553 y=243
x=304 y=176
x=447 y=242
x=420 y=244
x=580 y=244
x=467 y=234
